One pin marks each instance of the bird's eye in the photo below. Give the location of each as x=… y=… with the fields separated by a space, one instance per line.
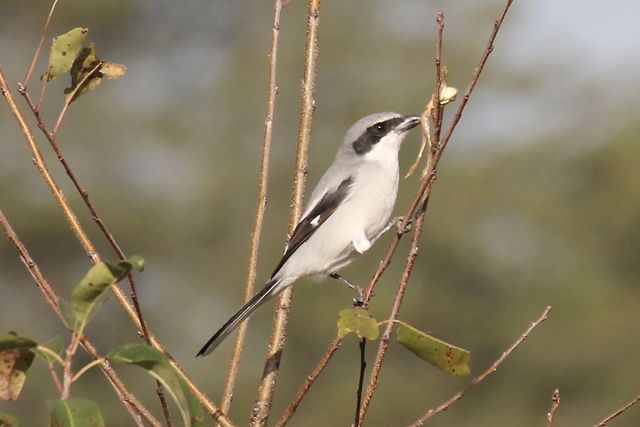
x=380 y=127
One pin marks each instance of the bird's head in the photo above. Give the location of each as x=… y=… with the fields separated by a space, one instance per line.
x=378 y=136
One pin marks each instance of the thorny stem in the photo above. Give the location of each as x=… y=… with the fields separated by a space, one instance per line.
x=232 y=374
x=263 y=402
x=490 y=370
x=89 y=248
x=133 y=406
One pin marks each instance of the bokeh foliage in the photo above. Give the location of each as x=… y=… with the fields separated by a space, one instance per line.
x=537 y=203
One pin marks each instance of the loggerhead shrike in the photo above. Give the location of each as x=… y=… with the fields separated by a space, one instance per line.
x=347 y=212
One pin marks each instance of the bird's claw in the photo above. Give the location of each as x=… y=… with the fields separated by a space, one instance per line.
x=403 y=230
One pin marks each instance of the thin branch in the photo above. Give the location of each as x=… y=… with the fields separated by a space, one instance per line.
x=363 y=365
x=40 y=163
x=476 y=74
x=271 y=371
x=70 y=97
x=555 y=404
x=492 y=369
x=304 y=388
x=618 y=411
x=384 y=341
x=40 y=43
x=232 y=374
x=131 y=403
x=89 y=248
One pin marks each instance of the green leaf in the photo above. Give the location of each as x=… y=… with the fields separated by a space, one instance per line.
x=158 y=366
x=85 y=298
x=74 y=413
x=449 y=358
x=84 y=64
x=64 y=50
x=11 y=340
x=15 y=359
x=7 y=420
x=357 y=320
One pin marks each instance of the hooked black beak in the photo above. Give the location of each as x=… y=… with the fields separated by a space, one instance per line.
x=409 y=122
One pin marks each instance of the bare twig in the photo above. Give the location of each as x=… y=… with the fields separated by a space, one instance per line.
x=619 y=411
x=384 y=341
x=304 y=388
x=131 y=403
x=40 y=43
x=271 y=369
x=232 y=374
x=492 y=369
x=555 y=404
x=89 y=248
x=363 y=365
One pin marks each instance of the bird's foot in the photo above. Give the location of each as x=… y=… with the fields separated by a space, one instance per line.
x=399 y=228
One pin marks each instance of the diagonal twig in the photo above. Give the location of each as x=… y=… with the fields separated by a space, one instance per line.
x=619 y=411
x=490 y=370
x=131 y=403
x=271 y=371
x=232 y=374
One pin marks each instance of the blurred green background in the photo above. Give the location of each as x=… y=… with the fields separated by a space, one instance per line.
x=537 y=201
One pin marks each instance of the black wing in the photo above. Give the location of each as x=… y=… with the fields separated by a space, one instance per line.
x=325 y=207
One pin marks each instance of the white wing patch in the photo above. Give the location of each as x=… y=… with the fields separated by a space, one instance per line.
x=315 y=221
x=361 y=243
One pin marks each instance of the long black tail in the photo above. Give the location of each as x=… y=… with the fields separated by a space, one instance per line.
x=246 y=310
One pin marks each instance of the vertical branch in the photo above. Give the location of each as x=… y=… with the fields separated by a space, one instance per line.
x=89 y=248
x=271 y=369
x=232 y=374
x=363 y=365
x=555 y=404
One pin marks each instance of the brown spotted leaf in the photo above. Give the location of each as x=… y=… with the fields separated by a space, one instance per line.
x=449 y=358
